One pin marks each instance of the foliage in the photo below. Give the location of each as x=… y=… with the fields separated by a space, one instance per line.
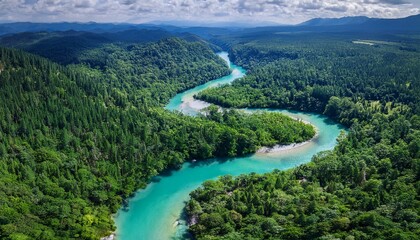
x=366 y=188
x=76 y=141
x=303 y=72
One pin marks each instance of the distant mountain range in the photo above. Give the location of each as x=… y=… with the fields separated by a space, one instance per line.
x=7 y=28
x=353 y=24
x=335 y=21
x=232 y=24
x=360 y=23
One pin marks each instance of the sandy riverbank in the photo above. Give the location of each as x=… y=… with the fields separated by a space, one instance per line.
x=110 y=237
x=280 y=148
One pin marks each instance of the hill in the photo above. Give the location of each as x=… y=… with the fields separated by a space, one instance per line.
x=76 y=141
x=69 y=47
x=347 y=25
x=352 y=24
x=367 y=187
x=335 y=21
x=19 y=27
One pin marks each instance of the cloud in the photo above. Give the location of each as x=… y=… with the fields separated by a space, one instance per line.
x=393 y=2
x=311 y=5
x=283 y=11
x=84 y=3
x=337 y=8
x=127 y=2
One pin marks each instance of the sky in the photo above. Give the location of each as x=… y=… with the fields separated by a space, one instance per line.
x=200 y=11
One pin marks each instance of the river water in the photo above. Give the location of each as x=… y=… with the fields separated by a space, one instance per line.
x=155 y=213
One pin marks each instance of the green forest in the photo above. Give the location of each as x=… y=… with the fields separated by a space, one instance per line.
x=83 y=127
x=367 y=187
x=303 y=72
x=77 y=140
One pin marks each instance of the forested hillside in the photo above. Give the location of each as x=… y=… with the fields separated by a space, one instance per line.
x=71 y=47
x=303 y=71
x=77 y=140
x=368 y=186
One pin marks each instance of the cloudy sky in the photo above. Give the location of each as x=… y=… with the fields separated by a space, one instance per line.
x=139 y=11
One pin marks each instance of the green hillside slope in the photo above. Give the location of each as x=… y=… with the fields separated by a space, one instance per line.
x=75 y=141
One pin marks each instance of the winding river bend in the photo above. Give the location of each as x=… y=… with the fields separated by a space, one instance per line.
x=155 y=213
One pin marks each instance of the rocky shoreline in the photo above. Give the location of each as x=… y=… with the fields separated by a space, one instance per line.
x=110 y=237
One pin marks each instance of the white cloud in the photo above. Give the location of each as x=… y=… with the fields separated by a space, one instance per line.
x=283 y=11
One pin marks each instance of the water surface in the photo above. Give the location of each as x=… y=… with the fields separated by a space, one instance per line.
x=155 y=213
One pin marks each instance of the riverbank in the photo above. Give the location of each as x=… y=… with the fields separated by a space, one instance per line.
x=279 y=148
x=156 y=211
x=110 y=237
x=285 y=147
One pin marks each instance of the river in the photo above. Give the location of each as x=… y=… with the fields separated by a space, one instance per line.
x=155 y=213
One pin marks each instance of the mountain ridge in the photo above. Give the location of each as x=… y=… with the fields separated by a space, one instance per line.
x=335 y=21
x=316 y=24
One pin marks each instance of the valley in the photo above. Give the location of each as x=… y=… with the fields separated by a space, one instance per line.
x=148 y=131
x=161 y=204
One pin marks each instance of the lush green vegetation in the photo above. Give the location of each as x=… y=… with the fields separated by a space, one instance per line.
x=152 y=71
x=303 y=71
x=76 y=141
x=167 y=67
x=366 y=188
x=258 y=129
x=74 y=47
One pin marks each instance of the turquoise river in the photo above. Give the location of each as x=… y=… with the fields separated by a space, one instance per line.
x=155 y=213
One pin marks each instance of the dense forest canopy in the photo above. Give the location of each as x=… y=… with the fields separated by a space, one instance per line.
x=368 y=186
x=302 y=71
x=71 y=47
x=83 y=128
x=77 y=140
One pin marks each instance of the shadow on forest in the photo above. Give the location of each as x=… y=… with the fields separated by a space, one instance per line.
x=163 y=174
x=220 y=160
